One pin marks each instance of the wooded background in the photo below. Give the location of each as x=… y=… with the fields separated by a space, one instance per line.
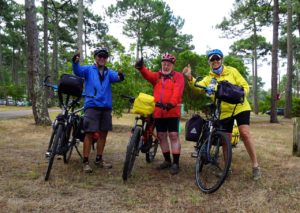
x=40 y=40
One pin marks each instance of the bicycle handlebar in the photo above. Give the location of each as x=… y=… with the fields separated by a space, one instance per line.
x=206 y=89
x=45 y=83
x=130 y=98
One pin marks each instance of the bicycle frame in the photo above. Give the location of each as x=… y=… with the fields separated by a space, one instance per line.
x=65 y=128
x=213 y=151
x=142 y=139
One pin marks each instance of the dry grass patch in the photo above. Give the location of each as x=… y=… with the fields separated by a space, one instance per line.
x=23 y=189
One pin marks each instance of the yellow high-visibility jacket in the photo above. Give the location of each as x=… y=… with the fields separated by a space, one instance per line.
x=233 y=76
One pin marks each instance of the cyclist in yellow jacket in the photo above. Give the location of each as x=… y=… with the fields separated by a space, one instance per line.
x=242 y=111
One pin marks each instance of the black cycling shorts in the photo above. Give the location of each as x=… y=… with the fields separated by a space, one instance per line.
x=97 y=119
x=241 y=119
x=167 y=124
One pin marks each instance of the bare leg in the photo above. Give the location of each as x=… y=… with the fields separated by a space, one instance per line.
x=101 y=142
x=175 y=143
x=249 y=144
x=164 y=145
x=87 y=144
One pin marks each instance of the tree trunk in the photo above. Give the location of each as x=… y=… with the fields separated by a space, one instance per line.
x=85 y=41
x=39 y=106
x=1 y=74
x=273 y=116
x=296 y=138
x=48 y=91
x=79 y=28
x=13 y=67
x=255 y=73
x=46 y=41
x=54 y=64
x=289 y=75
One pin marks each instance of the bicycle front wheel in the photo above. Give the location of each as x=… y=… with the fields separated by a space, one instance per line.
x=212 y=164
x=57 y=138
x=131 y=153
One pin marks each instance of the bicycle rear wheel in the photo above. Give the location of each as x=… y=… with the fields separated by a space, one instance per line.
x=131 y=153
x=212 y=169
x=150 y=155
x=71 y=142
x=57 y=138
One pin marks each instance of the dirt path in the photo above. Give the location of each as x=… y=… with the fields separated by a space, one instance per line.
x=18 y=113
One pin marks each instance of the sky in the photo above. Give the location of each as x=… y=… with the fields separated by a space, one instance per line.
x=200 y=17
x=199 y=22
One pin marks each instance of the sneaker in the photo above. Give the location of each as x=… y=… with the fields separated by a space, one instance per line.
x=164 y=165
x=103 y=164
x=87 y=168
x=194 y=154
x=174 y=169
x=47 y=154
x=256 y=173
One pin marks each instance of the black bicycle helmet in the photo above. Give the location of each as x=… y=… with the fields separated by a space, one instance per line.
x=101 y=51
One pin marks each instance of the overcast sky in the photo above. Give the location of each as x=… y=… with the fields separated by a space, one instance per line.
x=200 y=18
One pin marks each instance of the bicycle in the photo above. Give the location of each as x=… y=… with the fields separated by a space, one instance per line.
x=143 y=139
x=214 y=150
x=66 y=129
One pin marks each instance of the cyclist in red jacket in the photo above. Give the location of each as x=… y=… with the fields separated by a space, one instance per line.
x=168 y=87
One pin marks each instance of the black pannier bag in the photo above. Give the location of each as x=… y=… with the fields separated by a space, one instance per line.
x=230 y=93
x=193 y=128
x=80 y=134
x=70 y=85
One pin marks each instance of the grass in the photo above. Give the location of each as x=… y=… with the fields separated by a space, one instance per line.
x=23 y=189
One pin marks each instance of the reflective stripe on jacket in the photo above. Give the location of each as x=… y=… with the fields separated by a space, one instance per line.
x=166 y=89
x=233 y=76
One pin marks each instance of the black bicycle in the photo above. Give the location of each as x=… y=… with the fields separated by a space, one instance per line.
x=143 y=139
x=214 y=151
x=66 y=129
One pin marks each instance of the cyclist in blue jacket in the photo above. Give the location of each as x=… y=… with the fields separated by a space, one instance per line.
x=97 y=104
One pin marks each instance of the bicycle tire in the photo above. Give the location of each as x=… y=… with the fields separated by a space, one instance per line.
x=56 y=139
x=211 y=172
x=71 y=142
x=131 y=153
x=150 y=155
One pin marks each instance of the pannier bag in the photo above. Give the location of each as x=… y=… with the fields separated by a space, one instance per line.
x=230 y=93
x=143 y=104
x=80 y=134
x=70 y=85
x=193 y=128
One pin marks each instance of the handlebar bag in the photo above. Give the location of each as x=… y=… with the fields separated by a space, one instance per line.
x=70 y=85
x=144 y=104
x=193 y=128
x=230 y=93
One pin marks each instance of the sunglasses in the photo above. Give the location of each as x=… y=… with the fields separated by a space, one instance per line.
x=215 y=59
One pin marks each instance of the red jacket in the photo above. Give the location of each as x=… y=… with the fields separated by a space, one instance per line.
x=166 y=89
